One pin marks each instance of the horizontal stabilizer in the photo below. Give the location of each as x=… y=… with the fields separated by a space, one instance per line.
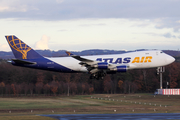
x=17 y=61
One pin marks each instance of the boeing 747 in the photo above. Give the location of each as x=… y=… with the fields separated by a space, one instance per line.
x=96 y=65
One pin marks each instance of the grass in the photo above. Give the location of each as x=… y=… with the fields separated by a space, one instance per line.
x=25 y=118
x=27 y=108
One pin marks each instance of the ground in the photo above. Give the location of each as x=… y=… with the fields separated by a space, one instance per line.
x=31 y=107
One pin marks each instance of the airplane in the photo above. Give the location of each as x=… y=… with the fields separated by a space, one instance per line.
x=96 y=65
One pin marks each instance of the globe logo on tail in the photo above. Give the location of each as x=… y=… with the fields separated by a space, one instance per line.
x=19 y=46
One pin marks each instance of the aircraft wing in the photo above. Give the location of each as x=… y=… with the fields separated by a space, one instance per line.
x=91 y=65
x=79 y=57
x=85 y=62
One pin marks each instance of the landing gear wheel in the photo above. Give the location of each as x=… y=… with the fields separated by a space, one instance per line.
x=98 y=75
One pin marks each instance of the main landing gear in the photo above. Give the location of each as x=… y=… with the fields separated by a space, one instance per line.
x=98 y=75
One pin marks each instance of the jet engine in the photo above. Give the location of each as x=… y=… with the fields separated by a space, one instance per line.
x=122 y=68
x=101 y=66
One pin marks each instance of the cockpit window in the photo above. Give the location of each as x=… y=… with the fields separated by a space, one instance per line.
x=161 y=52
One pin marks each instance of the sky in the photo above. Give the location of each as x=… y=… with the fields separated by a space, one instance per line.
x=77 y=25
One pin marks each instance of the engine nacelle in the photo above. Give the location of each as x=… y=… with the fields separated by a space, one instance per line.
x=102 y=65
x=122 y=68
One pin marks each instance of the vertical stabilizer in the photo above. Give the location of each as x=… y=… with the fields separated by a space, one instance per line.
x=20 y=49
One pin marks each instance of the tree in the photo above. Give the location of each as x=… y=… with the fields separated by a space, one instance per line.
x=8 y=89
x=46 y=88
x=13 y=89
x=39 y=87
x=67 y=77
x=145 y=76
x=173 y=75
x=18 y=88
x=31 y=88
x=133 y=87
x=25 y=87
x=83 y=88
x=126 y=86
x=73 y=87
x=87 y=88
x=54 y=87
x=2 y=86
x=91 y=89
x=40 y=77
x=114 y=83
x=61 y=88
x=120 y=83
x=107 y=84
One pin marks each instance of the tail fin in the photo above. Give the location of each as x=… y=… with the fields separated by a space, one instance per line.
x=20 y=49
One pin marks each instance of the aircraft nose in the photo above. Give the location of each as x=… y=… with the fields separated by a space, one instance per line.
x=170 y=59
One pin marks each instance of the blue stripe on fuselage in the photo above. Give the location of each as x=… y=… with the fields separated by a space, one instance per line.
x=45 y=64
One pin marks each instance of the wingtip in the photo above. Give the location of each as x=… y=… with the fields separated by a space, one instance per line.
x=68 y=53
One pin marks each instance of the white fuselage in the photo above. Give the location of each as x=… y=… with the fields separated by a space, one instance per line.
x=134 y=60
